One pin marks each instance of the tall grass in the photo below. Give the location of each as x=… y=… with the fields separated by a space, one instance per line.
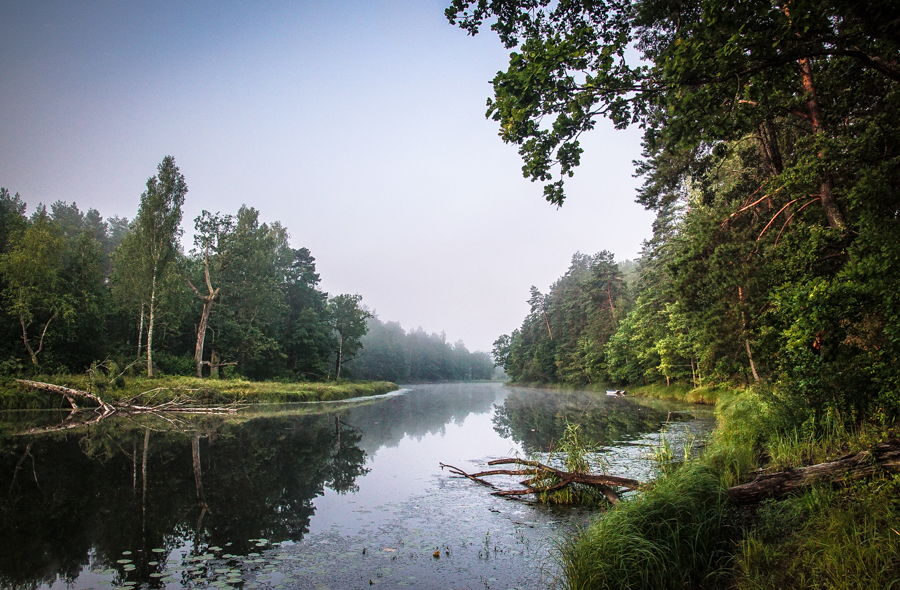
x=682 y=533
x=675 y=535
x=847 y=539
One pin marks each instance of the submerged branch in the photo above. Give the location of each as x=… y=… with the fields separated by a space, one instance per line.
x=546 y=479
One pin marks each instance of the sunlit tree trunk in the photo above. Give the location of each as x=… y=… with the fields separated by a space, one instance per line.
x=746 y=337
x=340 y=359
x=150 y=327
x=141 y=332
x=829 y=203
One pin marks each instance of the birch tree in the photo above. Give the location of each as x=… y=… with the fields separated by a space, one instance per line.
x=147 y=251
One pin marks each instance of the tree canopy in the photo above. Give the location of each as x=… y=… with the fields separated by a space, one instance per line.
x=772 y=160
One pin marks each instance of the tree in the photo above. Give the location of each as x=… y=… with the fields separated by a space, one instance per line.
x=708 y=71
x=34 y=287
x=248 y=320
x=146 y=253
x=211 y=246
x=307 y=339
x=348 y=319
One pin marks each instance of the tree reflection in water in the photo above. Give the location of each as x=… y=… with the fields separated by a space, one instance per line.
x=537 y=418
x=147 y=483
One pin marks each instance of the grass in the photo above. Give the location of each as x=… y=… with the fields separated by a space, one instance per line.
x=673 y=536
x=205 y=391
x=844 y=539
x=682 y=531
x=678 y=391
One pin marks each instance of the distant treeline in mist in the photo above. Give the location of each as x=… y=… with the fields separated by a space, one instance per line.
x=391 y=354
x=80 y=291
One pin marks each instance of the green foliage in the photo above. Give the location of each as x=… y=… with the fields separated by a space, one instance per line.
x=771 y=157
x=837 y=539
x=563 y=338
x=77 y=289
x=348 y=320
x=36 y=293
x=675 y=535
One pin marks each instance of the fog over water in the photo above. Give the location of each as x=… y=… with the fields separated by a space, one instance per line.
x=359 y=125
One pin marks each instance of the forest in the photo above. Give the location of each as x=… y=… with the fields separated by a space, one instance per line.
x=771 y=159
x=772 y=162
x=81 y=292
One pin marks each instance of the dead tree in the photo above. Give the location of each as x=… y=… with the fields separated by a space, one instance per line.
x=882 y=458
x=543 y=478
x=142 y=403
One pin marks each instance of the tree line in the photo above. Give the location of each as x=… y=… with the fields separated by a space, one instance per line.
x=771 y=157
x=79 y=290
x=393 y=354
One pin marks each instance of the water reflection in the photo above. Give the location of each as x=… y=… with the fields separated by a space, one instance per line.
x=144 y=484
x=537 y=418
x=131 y=500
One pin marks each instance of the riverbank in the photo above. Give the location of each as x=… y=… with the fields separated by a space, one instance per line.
x=14 y=395
x=677 y=391
x=684 y=531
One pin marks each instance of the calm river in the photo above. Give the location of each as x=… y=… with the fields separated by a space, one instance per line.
x=341 y=495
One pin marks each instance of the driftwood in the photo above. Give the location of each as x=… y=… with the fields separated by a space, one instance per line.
x=537 y=472
x=884 y=457
x=139 y=404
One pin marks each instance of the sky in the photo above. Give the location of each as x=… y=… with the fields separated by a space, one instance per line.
x=360 y=126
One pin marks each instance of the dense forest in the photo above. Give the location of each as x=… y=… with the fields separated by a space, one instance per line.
x=81 y=291
x=772 y=161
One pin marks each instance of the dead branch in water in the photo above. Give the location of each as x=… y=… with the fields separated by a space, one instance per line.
x=182 y=404
x=552 y=479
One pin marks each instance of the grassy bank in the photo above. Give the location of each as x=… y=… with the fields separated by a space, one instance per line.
x=677 y=391
x=683 y=532
x=205 y=391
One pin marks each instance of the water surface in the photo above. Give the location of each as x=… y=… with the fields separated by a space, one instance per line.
x=309 y=495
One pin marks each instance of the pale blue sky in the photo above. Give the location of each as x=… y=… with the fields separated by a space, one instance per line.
x=359 y=125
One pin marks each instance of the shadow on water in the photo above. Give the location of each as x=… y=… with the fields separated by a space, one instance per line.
x=207 y=501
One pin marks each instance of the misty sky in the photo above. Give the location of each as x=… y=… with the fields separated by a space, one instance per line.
x=359 y=125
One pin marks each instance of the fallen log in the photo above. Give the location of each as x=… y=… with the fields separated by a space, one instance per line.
x=882 y=458
x=105 y=409
x=66 y=392
x=544 y=478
